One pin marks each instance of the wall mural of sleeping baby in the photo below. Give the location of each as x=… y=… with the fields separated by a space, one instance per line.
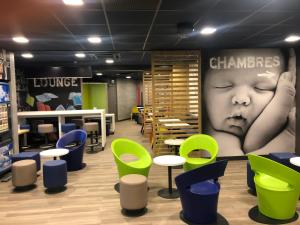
x=249 y=100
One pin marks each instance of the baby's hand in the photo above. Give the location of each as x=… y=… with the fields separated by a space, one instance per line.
x=285 y=91
x=274 y=117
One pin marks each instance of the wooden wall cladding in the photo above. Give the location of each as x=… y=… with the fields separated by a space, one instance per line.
x=176 y=91
x=147 y=88
x=147 y=94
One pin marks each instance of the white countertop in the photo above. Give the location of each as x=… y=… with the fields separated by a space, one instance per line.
x=174 y=141
x=54 y=152
x=295 y=161
x=169 y=160
x=169 y=120
x=60 y=113
x=176 y=124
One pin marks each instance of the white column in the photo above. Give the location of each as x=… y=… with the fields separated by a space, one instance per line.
x=103 y=128
x=13 y=104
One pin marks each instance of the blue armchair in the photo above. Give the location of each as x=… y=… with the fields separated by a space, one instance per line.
x=75 y=156
x=199 y=192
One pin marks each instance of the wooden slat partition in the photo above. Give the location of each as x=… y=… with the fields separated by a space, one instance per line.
x=176 y=87
x=147 y=93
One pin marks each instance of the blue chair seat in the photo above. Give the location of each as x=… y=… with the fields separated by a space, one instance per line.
x=67 y=127
x=284 y=158
x=199 y=193
x=205 y=188
x=28 y=155
x=55 y=173
x=25 y=127
x=75 y=156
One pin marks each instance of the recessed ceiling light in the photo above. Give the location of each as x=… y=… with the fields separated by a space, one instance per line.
x=147 y=73
x=292 y=38
x=80 y=55
x=99 y=74
x=73 y=2
x=94 y=39
x=208 y=30
x=128 y=77
x=27 y=55
x=20 y=39
x=109 y=61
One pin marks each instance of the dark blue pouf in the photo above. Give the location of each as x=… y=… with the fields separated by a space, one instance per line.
x=250 y=177
x=28 y=155
x=284 y=158
x=67 y=127
x=25 y=127
x=55 y=173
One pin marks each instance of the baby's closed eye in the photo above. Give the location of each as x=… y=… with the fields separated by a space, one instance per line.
x=264 y=87
x=223 y=85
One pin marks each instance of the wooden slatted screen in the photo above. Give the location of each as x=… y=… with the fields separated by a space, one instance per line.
x=147 y=93
x=176 y=82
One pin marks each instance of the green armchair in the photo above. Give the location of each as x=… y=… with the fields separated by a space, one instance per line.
x=277 y=187
x=198 y=142
x=141 y=166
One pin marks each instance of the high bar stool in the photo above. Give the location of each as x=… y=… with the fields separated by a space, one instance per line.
x=46 y=129
x=92 y=129
x=25 y=145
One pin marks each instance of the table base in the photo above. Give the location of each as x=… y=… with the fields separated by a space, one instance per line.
x=165 y=193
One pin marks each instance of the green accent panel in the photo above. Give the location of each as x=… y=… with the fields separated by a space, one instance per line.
x=85 y=97
x=94 y=95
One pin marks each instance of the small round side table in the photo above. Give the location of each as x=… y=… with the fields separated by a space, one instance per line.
x=169 y=161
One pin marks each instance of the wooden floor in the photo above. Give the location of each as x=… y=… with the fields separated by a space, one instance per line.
x=90 y=198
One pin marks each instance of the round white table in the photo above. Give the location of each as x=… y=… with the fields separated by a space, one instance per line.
x=54 y=152
x=295 y=161
x=169 y=161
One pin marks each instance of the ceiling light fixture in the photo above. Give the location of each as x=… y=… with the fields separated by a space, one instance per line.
x=73 y=2
x=27 y=55
x=20 y=39
x=94 y=39
x=208 y=30
x=109 y=61
x=80 y=55
x=128 y=77
x=99 y=74
x=292 y=38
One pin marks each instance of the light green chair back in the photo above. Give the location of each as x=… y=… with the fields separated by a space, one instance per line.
x=277 y=187
x=141 y=166
x=198 y=142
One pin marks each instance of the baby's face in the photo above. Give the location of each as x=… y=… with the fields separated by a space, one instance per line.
x=237 y=88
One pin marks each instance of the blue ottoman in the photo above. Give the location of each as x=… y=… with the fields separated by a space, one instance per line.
x=25 y=127
x=284 y=158
x=250 y=178
x=55 y=173
x=28 y=155
x=67 y=127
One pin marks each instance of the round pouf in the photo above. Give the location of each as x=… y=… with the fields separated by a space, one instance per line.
x=23 y=173
x=67 y=127
x=45 y=128
x=133 y=194
x=91 y=127
x=55 y=174
x=28 y=155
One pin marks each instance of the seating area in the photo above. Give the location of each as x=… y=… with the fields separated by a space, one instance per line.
x=99 y=182
x=149 y=112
